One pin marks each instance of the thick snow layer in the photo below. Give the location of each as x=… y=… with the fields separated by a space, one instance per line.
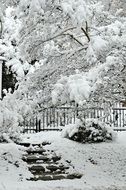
x=12 y=168
x=102 y=165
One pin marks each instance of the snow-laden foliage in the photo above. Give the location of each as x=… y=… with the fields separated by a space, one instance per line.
x=12 y=113
x=76 y=87
x=60 y=39
x=9 y=43
x=89 y=130
x=48 y=41
x=107 y=74
x=55 y=28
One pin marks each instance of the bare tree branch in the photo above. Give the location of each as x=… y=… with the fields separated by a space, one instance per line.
x=86 y=34
x=87 y=27
x=74 y=38
x=51 y=38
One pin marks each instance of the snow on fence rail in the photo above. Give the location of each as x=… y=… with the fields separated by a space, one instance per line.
x=54 y=118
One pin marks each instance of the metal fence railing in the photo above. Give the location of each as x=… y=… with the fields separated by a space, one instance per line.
x=54 y=118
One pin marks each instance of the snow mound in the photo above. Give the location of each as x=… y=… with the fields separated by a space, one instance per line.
x=89 y=130
x=12 y=167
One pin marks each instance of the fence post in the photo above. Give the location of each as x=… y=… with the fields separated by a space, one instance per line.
x=36 y=124
x=43 y=120
x=77 y=110
x=39 y=125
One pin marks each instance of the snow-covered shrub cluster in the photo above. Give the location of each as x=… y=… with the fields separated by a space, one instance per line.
x=89 y=130
x=12 y=113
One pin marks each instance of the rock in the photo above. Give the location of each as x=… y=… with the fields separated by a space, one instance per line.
x=58 y=177
x=62 y=167
x=24 y=158
x=93 y=161
x=52 y=168
x=56 y=158
x=45 y=143
x=16 y=164
x=74 y=176
x=39 y=151
x=37 y=168
x=24 y=144
x=42 y=177
x=68 y=161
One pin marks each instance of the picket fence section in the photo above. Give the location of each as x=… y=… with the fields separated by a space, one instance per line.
x=55 y=118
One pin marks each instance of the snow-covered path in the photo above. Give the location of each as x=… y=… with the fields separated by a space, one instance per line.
x=103 y=165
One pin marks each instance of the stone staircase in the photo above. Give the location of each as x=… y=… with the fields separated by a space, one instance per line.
x=45 y=164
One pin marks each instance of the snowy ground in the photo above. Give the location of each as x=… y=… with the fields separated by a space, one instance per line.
x=103 y=165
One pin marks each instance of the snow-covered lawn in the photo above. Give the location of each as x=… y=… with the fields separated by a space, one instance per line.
x=103 y=165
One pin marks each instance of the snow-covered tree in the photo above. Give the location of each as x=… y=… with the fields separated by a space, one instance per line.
x=74 y=35
x=10 y=37
x=73 y=50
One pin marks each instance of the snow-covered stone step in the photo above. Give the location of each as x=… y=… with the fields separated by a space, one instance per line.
x=37 y=168
x=47 y=177
x=34 y=158
x=35 y=151
x=26 y=144
x=40 y=157
x=56 y=177
x=53 y=168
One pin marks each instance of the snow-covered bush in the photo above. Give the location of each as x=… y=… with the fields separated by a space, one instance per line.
x=89 y=130
x=9 y=121
x=12 y=112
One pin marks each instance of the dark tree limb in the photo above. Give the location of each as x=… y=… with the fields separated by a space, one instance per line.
x=86 y=33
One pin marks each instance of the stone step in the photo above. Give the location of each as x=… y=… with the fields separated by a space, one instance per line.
x=41 y=162
x=34 y=144
x=34 y=158
x=44 y=168
x=37 y=168
x=44 y=177
x=47 y=177
x=74 y=176
x=40 y=172
x=38 y=157
x=53 y=168
x=24 y=144
x=36 y=151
